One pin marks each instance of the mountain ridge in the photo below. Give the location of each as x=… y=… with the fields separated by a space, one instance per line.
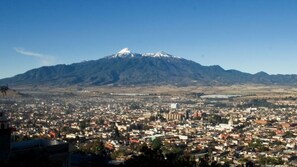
x=128 y=68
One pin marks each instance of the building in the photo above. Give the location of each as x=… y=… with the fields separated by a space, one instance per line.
x=174 y=105
x=5 y=137
x=173 y=116
x=29 y=153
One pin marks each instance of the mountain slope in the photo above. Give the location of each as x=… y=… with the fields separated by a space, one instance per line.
x=127 y=68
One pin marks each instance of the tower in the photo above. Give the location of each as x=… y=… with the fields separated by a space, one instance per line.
x=5 y=137
x=230 y=122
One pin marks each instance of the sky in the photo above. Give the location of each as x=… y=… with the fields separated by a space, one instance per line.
x=250 y=36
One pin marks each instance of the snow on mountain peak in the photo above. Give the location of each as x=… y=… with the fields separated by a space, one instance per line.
x=127 y=53
x=124 y=51
x=159 y=54
x=162 y=54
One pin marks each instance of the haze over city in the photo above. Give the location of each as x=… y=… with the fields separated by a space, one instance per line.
x=249 y=36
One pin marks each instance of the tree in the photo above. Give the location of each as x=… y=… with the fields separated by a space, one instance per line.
x=143 y=148
x=100 y=121
x=288 y=134
x=4 y=89
x=271 y=161
x=82 y=125
x=116 y=133
x=249 y=164
x=134 y=106
x=214 y=119
x=156 y=144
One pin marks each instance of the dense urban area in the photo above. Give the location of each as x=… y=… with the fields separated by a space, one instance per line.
x=175 y=129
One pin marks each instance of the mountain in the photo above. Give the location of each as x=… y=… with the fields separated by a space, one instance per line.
x=128 y=68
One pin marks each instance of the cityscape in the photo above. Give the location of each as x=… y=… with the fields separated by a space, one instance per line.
x=148 y=83
x=113 y=125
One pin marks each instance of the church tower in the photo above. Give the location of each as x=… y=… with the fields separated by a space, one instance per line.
x=5 y=137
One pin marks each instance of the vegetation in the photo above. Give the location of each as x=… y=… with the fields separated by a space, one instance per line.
x=288 y=134
x=271 y=161
x=141 y=70
x=257 y=146
x=156 y=144
x=216 y=119
x=257 y=103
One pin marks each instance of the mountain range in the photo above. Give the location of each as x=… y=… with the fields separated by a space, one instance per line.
x=128 y=68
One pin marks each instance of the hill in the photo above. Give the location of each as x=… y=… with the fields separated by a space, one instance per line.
x=127 y=68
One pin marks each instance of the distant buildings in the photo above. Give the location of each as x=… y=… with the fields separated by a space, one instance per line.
x=224 y=128
x=32 y=152
x=173 y=116
x=174 y=105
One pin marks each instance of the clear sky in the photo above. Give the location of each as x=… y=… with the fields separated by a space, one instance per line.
x=247 y=35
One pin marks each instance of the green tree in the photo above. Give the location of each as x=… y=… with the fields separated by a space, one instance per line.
x=288 y=134
x=271 y=161
x=156 y=144
x=100 y=121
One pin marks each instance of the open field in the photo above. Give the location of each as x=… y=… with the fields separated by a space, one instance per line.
x=246 y=91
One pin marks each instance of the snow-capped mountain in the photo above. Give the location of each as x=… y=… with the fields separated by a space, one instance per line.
x=160 y=54
x=124 y=51
x=127 y=53
x=128 y=68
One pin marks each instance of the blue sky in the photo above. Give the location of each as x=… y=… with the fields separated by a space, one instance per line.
x=250 y=36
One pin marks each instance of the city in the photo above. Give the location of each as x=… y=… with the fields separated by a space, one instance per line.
x=229 y=129
x=148 y=83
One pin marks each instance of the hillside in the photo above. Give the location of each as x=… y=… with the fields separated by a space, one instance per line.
x=127 y=68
